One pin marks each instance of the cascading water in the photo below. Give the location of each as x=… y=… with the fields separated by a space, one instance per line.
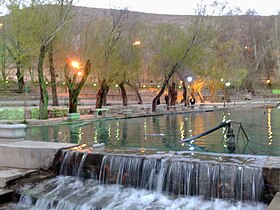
x=184 y=178
x=89 y=181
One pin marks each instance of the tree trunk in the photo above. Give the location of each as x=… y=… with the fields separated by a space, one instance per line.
x=101 y=94
x=173 y=94
x=20 y=78
x=249 y=86
x=74 y=87
x=155 y=100
x=138 y=96
x=226 y=95
x=73 y=101
x=124 y=95
x=200 y=96
x=44 y=98
x=105 y=96
x=185 y=97
x=192 y=93
x=53 y=78
x=212 y=93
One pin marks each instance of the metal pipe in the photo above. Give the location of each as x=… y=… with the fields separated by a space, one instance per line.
x=222 y=124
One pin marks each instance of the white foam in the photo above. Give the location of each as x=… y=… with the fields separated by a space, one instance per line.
x=74 y=194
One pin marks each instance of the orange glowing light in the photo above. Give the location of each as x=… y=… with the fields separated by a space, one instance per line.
x=75 y=64
x=80 y=147
x=137 y=43
x=268 y=81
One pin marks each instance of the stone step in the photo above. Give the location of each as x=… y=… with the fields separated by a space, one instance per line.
x=275 y=203
x=6 y=195
x=29 y=154
x=8 y=174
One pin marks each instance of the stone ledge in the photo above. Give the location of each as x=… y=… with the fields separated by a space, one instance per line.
x=275 y=203
x=29 y=154
x=7 y=174
x=6 y=195
x=12 y=131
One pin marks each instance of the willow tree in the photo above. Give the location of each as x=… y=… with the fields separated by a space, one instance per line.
x=106 y=51
x=50 y=21
x=19 y=40
x=129 y=69
x=175 y=48
x=126 y=70
x=75 y=80
x=4 y=54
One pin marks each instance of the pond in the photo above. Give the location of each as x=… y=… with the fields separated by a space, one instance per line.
x=166 y=132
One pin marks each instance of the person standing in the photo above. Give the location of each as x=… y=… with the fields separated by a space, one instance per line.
x=166 y=98
x=192 y=102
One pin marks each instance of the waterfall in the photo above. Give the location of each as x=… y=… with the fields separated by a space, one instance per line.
x=184 y=178
x=107 y=181
x=169 y=175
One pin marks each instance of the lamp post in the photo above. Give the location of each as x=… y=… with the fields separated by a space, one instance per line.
x=226 y=96
x=189 y=80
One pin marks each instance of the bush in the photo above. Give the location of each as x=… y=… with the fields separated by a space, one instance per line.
x=11 y=113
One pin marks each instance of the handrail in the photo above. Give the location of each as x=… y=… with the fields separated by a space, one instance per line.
x=222 y=124
x=230 y=137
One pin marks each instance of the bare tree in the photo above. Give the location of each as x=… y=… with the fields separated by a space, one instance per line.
x=111 y=39
x=53 y=77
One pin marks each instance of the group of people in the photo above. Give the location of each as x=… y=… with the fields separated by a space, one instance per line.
x=166 y=98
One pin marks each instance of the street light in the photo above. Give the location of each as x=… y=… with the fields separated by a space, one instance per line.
x=136 y=43
x=80 y=73
x=227 y=84
x=189 y=80
x=75 y=64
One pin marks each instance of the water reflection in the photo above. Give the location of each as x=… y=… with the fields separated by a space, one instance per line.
x=166 y=132
x=269 y=127
x=124 y=133
x=76 y=133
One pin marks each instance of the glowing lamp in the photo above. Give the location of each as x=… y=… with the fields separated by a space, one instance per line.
x=75 y=64
x=136 y=43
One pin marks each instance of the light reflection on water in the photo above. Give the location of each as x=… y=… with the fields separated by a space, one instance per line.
x=165 y=132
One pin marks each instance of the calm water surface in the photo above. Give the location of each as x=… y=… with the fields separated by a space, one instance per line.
x=166 y=132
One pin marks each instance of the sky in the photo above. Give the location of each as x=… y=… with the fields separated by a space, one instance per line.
x=182 y=7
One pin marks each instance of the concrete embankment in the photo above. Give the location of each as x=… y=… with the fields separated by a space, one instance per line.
x=19 y=158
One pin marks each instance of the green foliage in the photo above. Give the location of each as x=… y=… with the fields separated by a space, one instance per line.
x=126 y=65
x=11 y=113
x=59 y=112
x=55 y=112
x=168 y=44
x=34 y=113
x=171 y=43
x=224 y=61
